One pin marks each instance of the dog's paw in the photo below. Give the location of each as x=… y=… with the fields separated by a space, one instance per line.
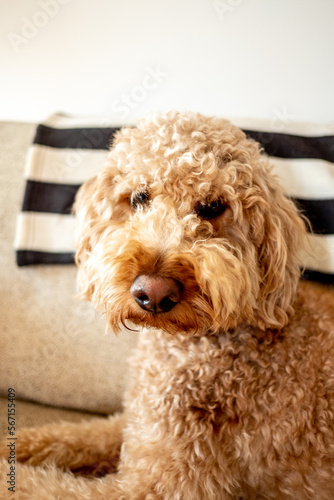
x=8 y=449
x=3 y=449
x=7 y=478
x=36 y=446
x=51 y=444
x=67 y=445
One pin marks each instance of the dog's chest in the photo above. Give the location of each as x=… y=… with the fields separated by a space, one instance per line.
x=208 y=378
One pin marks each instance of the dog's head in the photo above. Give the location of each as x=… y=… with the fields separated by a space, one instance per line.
x=186 y=229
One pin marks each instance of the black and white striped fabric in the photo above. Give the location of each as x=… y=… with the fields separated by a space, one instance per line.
x=68 y=151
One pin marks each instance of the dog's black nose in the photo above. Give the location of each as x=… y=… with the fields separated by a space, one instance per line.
x=156 y=294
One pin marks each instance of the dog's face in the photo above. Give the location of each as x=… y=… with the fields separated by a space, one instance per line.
x=185 y=229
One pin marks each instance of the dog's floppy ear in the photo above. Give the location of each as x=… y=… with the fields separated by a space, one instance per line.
x=278 y=232
x=85 y=211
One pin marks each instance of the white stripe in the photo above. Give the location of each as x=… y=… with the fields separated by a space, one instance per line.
x=63 y=166
x=45 y=232
x=305 y=178
x=282 y=123
x=58 y=120
x=318 y=254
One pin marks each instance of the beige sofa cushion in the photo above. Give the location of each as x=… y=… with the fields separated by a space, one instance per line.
x=53 y=348
x=29 y=414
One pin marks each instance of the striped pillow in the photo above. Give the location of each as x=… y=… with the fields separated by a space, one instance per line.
x=67 y=151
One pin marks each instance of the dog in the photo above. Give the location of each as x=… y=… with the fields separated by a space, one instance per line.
x=186 y=236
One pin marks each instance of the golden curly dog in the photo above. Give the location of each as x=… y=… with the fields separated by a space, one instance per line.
x=186 y=235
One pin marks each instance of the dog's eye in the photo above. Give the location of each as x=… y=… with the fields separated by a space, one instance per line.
x=141 y=198
x=211 y=209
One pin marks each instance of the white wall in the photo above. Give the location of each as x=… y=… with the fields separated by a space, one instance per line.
x=124 y=58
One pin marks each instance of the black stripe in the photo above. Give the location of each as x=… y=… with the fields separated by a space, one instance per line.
x=320 y=213
x=294 y=146
x=83 y=138
x=325 y=278
x=274 y=144
x=29 y=257
x=47 y=197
